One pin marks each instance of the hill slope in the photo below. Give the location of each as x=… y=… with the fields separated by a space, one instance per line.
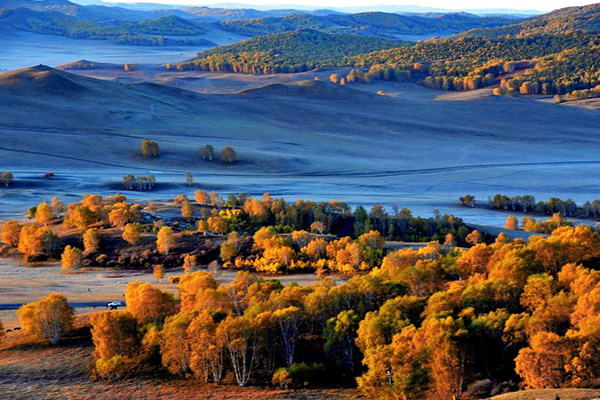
x=286 y=52
x=555 y=23
x=369 y=23
x=147 y=32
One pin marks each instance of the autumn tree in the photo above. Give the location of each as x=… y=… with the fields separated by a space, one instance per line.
x=228 y=155
x=57 y=206
x=150 y=148
x=71 y=258
x=48 y=318
x=511 y=223
x=207 y=348
x=201 y=197
x=11 y=230
x=30 y=241
x=147 y=303
x=240 y=336
x=165 y=240
x=132 y=233
x=116 y=339
x=217 y=225
x=175 y=347
x=187 y=211
x=189 y=263
x=159 y=272
x=317 y=227
x=44 y=213
x=91 y=240
x=114 y=333
x=474 y=237
x=542 y=364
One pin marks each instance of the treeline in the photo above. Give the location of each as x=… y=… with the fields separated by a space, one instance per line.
x=239 y=214
x=427 y=324
x=528 y=203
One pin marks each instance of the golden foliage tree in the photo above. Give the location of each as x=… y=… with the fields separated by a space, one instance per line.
x=30 y=241
x=132 y=233
x=207 y=348
x=48 y=318
x=511 y=222
x=175 y=346
x=159 y=272
x=228 y=155
x=114 y=333
x=91 y=240
x=147 y=303
x=187 y=211
x=189 y=263
x=44 y=213
x=165 y=240
x=71 y=258
x=201 y=197
x=11 y=231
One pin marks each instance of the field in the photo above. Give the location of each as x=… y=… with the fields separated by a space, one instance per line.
x=305 y=139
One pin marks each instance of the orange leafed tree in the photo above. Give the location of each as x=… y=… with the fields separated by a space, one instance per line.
x=114 y=333
x=71 y=258
x=48 y=318
x=91 y=240
x=132 y=233
x=165 y=240
x=147 y=303
x=11 y=231
x=44 y=213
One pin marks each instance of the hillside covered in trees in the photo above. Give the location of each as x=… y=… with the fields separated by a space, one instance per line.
x=147 y=32
x=370 y=23
x=285 y=52
x=549 y=63
x=586 y=18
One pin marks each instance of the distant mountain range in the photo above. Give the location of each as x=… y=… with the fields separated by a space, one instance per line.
x=385 y=25
x=133 y=26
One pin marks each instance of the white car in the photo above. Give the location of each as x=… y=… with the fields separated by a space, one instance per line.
x=115 y=304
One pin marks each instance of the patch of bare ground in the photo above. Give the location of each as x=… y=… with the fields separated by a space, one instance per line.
x=34 y=370
x=550 y=394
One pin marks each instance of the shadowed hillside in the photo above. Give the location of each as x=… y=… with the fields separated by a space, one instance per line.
x=380 y=24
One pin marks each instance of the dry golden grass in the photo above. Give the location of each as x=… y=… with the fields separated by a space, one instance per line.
x=550 y=394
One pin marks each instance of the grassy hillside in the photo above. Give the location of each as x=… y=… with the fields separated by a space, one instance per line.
x=370 y=23
x=286 y=52
x=56 y=23
x=557 y=22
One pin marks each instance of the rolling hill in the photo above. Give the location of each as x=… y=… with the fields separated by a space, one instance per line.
x=370 y=23
x=586 y=18
x=147 y=32
x=286 y=52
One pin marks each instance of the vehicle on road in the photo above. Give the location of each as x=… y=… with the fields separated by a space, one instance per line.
x=115 y=305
